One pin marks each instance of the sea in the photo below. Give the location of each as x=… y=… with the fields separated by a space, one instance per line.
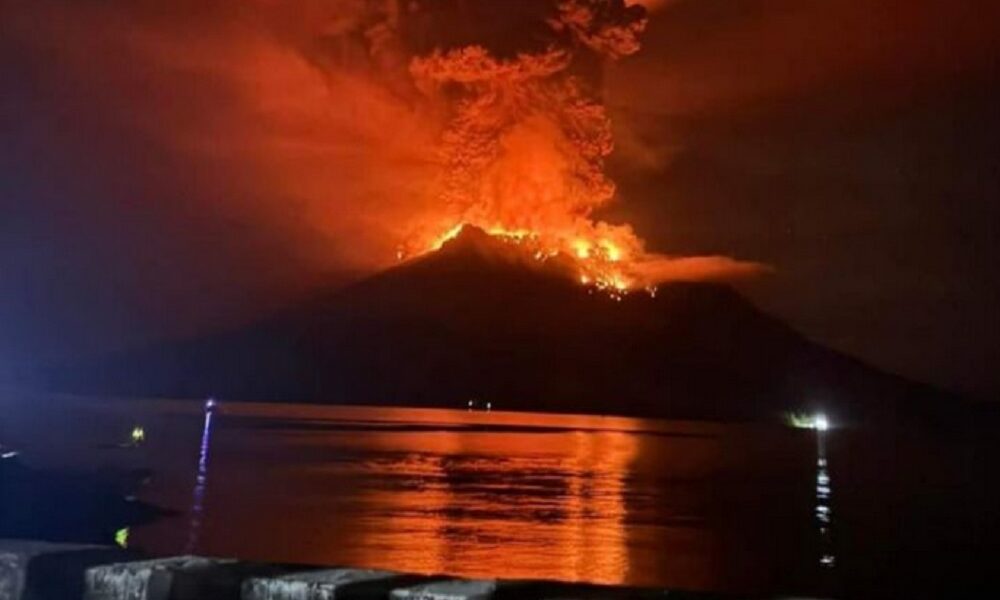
x=742 y=508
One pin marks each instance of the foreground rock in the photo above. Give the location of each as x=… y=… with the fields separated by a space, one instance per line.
x=176 y=578
x=327 y=584
x=45 y=571
x=455 y=589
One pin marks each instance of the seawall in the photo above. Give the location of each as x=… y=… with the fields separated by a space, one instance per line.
x=31 y=570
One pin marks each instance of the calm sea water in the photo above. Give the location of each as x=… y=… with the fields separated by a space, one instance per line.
x=687 y=505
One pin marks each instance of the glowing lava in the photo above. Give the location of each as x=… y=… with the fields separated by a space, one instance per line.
x=522 y=148
x=602 y=263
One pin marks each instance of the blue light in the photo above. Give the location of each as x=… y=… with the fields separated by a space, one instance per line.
x=201 y=480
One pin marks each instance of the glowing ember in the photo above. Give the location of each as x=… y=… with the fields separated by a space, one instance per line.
x=516 y=236
x=602 y=263
x=521 y=152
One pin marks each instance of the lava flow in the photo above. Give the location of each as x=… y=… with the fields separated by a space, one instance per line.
x=602 y=264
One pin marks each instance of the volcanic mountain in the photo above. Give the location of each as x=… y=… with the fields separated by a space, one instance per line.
x=479 y=319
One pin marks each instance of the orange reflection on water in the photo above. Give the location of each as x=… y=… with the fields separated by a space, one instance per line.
x=473 y=494
x=482 y=506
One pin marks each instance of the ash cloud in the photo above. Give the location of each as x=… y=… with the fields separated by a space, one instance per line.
x=187 y=164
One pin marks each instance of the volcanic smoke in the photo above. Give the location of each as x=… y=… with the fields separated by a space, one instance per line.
x=523 y=148
x=349 y=134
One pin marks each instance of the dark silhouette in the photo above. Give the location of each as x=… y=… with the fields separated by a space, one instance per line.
x=481 y=319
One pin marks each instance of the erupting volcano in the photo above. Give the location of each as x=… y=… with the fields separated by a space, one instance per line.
x=484 y=299
x=478 y=318
x=602 y=265
x=523 y=146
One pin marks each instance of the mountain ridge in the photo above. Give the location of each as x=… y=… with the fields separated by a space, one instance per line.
x=480 y=319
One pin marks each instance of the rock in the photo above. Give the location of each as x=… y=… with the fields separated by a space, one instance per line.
x=31 y=570
x=327 y=584
x=454 y=589
x=144 y=580
x=177 y=578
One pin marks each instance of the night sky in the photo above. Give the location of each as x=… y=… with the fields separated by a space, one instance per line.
x=167 y=171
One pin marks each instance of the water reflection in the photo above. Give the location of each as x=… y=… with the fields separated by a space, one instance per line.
x=672 y=504
x=456 y=501
x=824 y=513
x=486 y=494
x=201 y=480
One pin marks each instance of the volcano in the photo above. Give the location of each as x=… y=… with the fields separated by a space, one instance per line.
x=479 y=320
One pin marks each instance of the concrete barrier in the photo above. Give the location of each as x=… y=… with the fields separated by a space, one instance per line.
x=44 y=571
x=326 y=584
x=177 y=578
x=32 y=570
x=452 y=589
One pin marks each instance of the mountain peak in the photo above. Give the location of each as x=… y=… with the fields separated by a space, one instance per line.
x=471 y=237
x=484 y=317
x=474 y=248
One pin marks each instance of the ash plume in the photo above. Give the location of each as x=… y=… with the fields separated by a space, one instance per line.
x=308 y=135
x=526 y=138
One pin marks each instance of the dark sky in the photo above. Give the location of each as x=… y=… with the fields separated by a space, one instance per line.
x=853 y=145
x=166 y=171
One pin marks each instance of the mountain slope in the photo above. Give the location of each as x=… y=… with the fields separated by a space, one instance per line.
x=478 y=320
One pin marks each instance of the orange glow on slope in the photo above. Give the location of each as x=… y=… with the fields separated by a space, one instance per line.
x=603 y=263
x=608 y=258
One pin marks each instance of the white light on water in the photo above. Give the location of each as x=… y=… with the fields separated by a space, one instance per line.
x=820 y=423
x=802 y=420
